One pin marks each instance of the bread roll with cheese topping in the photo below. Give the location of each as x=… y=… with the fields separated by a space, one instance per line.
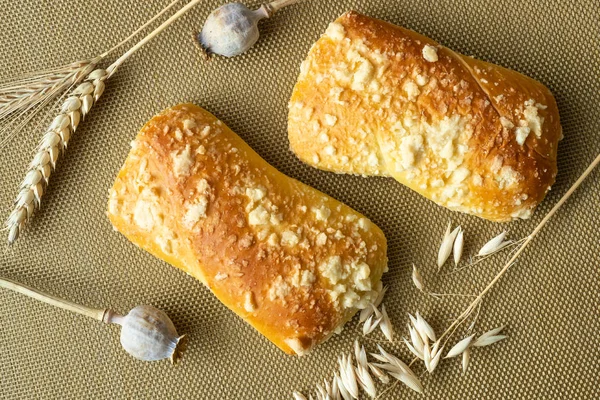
x=290 y=260
x=376 y=99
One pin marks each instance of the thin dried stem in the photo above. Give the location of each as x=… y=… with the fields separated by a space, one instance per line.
x=96 y=313
x=113 y=67
x=279 y=4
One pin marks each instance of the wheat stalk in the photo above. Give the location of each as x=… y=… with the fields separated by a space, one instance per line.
x=25 y=96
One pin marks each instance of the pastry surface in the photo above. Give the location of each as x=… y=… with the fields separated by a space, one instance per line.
x=373 y=98
x=290 y=260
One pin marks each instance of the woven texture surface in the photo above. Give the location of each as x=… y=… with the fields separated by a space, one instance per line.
x=549 y=300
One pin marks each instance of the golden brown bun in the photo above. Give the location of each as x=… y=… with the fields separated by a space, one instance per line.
x=376 y=99
x=290 y=260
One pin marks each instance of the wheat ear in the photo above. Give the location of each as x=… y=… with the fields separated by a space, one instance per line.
x=55 y=140
x=57 y=136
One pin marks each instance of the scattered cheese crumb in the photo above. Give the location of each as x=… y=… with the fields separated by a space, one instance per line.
x=256 y=194
x=249 y=304
x=410 y=147
x=332 y=270
x=205 y=131
x=189 y=124
x=506 y=123
x=430 y=53
x=421 y=80
x=372 y=160
x=335 y=31
x=273 y=240
x=329 y=150
x=330 y=119
x=321 y=239
x=496 y=164
x=507 y=177
x=323 y=137
x=322 y=213
x=363 y=75
x=522 y=132
x=258 y=216
x=289 y=238
x=363 y=224
x=533 y=120
x=178 y=134
x=279 y=289
x=221 y=276
x=411 y=89
x=182 y=161
x=195 y=212
x=307 y=278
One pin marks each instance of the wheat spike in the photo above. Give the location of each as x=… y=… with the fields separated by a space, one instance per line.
x=55 y=140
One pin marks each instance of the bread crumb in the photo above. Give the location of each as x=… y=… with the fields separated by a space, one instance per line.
x=329 y=150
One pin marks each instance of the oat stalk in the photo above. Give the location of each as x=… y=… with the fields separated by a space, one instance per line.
x=477 y=301
x=22 y=99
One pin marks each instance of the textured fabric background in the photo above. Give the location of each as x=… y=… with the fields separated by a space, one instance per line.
x=549 y=301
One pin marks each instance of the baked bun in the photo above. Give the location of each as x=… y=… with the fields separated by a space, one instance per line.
x=290 y=260
x=373 y=98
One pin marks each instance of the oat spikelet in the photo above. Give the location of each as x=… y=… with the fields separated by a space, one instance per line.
x=494 y=245
x=460 y=347
x=417 y=278
x=466 y=359
x=486 y=341
x=458 y=246
x=424 y=328
x=446 y=246
x=55 y=140
x=368 y=311
x=386 y=325
x=298 y=396
x=379 y=374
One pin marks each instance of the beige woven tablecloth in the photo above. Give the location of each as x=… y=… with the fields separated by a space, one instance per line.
x=549 y=302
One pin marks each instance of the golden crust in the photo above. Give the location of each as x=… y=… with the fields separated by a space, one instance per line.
x=291 y=261
x=376 y=99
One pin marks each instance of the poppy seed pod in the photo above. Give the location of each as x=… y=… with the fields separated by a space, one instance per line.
x=231 y=29
x=148 y=334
